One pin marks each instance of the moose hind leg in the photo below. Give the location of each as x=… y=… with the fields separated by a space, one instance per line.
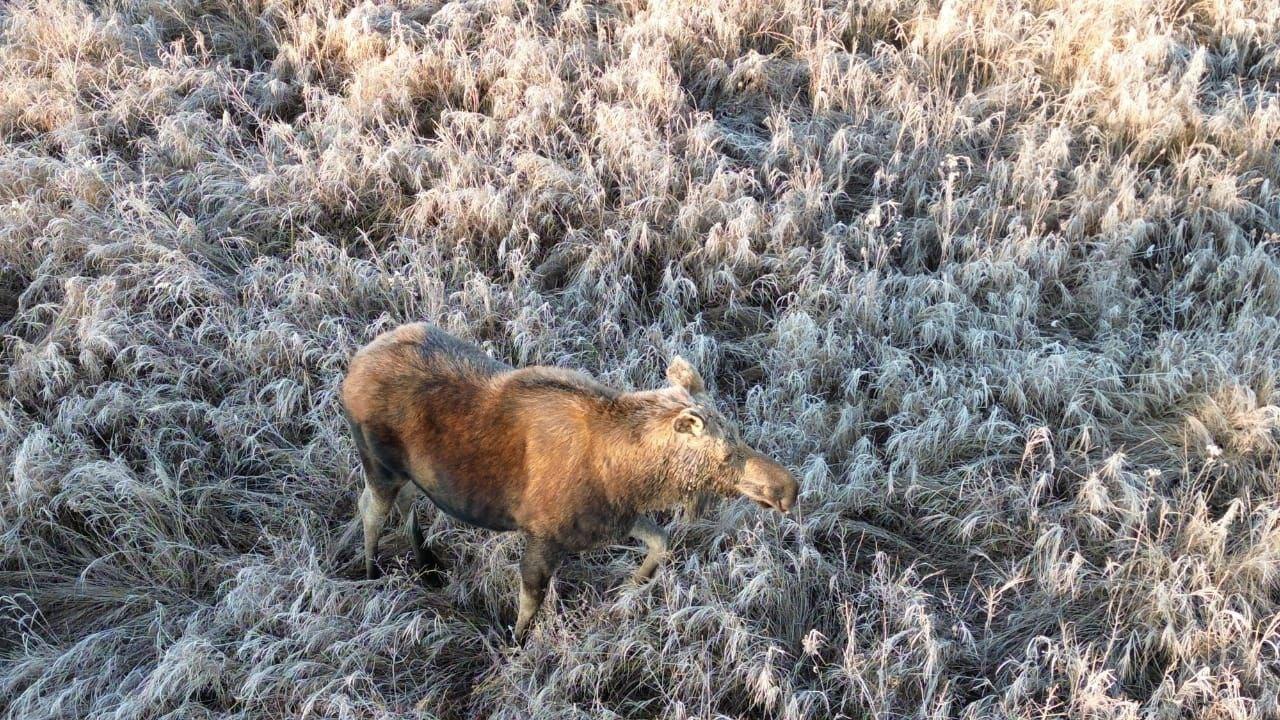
x=375 y=500
x=426 y=561
x=384 y=478
x=540 y=560
x=373 y=506
x=656 y=540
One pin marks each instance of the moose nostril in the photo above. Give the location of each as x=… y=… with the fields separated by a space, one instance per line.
x=788 y=499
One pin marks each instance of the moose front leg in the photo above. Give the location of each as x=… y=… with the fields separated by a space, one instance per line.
x=655 y=538
x=540 y=560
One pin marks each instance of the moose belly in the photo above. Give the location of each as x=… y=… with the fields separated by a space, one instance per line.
x=476 y=509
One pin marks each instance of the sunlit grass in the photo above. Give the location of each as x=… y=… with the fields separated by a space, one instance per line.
x=997 y=279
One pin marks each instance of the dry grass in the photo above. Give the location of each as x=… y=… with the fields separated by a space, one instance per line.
x=998 y=278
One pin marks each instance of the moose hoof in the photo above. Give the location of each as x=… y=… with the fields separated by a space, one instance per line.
x=433 y=578
x=518 y=636
x=643 y=576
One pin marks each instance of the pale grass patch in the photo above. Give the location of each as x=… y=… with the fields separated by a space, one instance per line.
x=997 y=278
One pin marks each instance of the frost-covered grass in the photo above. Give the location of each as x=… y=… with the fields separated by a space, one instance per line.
x=999 y=279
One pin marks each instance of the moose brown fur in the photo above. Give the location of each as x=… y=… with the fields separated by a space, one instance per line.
x=550 y=452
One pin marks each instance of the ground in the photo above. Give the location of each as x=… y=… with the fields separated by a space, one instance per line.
x=998 y=279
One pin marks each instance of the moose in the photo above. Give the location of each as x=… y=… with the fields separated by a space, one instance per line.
x=550 y=452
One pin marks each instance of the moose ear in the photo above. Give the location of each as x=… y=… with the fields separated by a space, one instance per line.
x=689 y=421
x=681 y=373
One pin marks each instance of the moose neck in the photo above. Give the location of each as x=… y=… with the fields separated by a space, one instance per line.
x=640 y=472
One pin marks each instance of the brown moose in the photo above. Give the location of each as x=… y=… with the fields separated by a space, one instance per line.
x=569 y=462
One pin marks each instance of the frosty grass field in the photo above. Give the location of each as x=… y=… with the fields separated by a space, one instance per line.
x=998 y=279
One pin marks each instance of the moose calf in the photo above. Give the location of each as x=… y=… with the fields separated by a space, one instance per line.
x=569 y=462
